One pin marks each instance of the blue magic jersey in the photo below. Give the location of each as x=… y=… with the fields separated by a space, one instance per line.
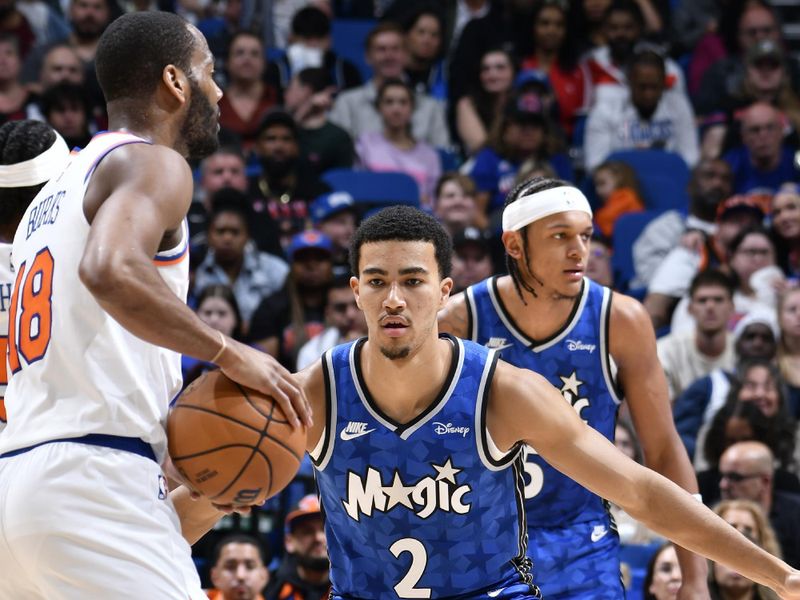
x=577 y=362
x=426 y=509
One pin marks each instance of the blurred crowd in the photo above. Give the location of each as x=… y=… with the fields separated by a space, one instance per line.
x=679 y=119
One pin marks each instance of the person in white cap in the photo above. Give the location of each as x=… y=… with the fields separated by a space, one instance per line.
x=598 y=348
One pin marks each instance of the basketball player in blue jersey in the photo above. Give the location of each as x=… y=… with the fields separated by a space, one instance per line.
x=595 y=346
x=97 y=323
x=417 y=445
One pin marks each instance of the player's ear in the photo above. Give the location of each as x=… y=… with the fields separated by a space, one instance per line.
x=176 y=82
x=354 y=287
x=512 y=240
x=445 y=288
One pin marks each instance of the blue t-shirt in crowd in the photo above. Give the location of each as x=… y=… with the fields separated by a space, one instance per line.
x=746 y=178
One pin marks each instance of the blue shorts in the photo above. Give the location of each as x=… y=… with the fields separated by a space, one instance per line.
x=580 y=562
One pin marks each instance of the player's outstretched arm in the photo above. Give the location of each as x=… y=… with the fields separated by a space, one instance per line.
x=453 y=318
x=644 y=387
x=137 y=198
x=312 y=381
x=524 y=407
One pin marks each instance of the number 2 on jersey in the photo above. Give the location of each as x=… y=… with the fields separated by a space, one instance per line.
x=31 y=306
x=419 y=559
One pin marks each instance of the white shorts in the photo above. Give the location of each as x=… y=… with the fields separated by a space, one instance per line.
x=80 y=522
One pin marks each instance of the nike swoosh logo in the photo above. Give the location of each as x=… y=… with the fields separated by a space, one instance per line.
x=351 y=436
x=598 y=535
x=498 y=348
x=495 y=593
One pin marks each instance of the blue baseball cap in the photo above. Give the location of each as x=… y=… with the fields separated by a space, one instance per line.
x=309 y=239
x=531 y=76
x=327 y=205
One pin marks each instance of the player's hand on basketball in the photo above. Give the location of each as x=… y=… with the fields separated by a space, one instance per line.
x=255 y=369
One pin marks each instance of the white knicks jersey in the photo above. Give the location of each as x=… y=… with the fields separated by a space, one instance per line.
x=73 y=369
x=6 y=283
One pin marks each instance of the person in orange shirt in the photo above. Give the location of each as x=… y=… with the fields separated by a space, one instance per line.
x=618 y=190
x=239 y=571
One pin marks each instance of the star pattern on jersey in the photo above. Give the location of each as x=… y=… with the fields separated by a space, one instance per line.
x=397 y=493
x=571 y=384
x=446 y=472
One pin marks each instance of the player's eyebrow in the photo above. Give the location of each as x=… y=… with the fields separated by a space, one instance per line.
x=405 y=271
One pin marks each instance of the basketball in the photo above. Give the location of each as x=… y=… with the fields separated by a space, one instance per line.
x=232 y=444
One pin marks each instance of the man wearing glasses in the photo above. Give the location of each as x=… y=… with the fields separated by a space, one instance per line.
x=747 y=473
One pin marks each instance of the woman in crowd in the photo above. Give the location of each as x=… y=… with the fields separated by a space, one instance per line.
x=394 y=148
x=247 y=97
x=454 y=203
x=424 y=39
x=554 y=53
x=663 y=578
x=789 y=344
x=785 y=217
x=478 y=112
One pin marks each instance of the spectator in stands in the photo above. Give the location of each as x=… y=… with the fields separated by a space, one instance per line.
x=757 y=22
x=247 y=97
x=765 y=79
x=344 y=321
x=218 y=29
x=763 y=161
x=710 y=184
x=623 y=27
x=309 y=99
x=643 y=117
x=14 y=98
x=617 y=189
x=287 y=319
x=789 y=344
x=478 y=112
x=286 y=185
x=395 y=148
x=61 y=63
x=522 y=134
x=310 y=47
x=355 y=110
x=304 y=572
x=454 y=203
x=472 y=257
x=336 y=216
x=217 y=308
x=754 y=337
x=663 y=578
x=233 y=258
x=586 y=20
x=785 y=218
x=747 y=473
x=748 y=518
x=598 y=268
x=425 y=69
x=696 y=251
x=686 y=356
x=14 y=24
x=239 y=571
x=555 y=53
x=66 y=109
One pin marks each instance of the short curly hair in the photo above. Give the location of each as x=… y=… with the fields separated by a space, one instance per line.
x=21 y=141
x=135 y=48
x=403 y=224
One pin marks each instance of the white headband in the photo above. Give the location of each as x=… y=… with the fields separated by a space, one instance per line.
x=538 y=205
x=38 y=169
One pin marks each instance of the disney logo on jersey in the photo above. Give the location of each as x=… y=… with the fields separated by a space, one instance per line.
x=368 y=493
x=575 y=345
x=445 y=428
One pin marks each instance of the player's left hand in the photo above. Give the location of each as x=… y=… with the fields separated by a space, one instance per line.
x=693 y=590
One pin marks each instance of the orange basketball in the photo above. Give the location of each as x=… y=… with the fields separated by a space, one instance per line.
x=232 y=444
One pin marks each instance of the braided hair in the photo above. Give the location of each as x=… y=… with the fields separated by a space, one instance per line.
x=21 y=141
x=526 y=188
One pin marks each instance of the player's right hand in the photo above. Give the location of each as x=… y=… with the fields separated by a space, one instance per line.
x=260 y=371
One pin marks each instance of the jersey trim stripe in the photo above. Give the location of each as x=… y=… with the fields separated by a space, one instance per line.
x=481 y=428
x=322 y=453
x=472 y=316
x=605 y=349
x=166 y=261
x=124 y=142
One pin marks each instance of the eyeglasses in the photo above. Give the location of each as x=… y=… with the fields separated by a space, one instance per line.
x=756 y=129
x=735 y=477
x=754 y=252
